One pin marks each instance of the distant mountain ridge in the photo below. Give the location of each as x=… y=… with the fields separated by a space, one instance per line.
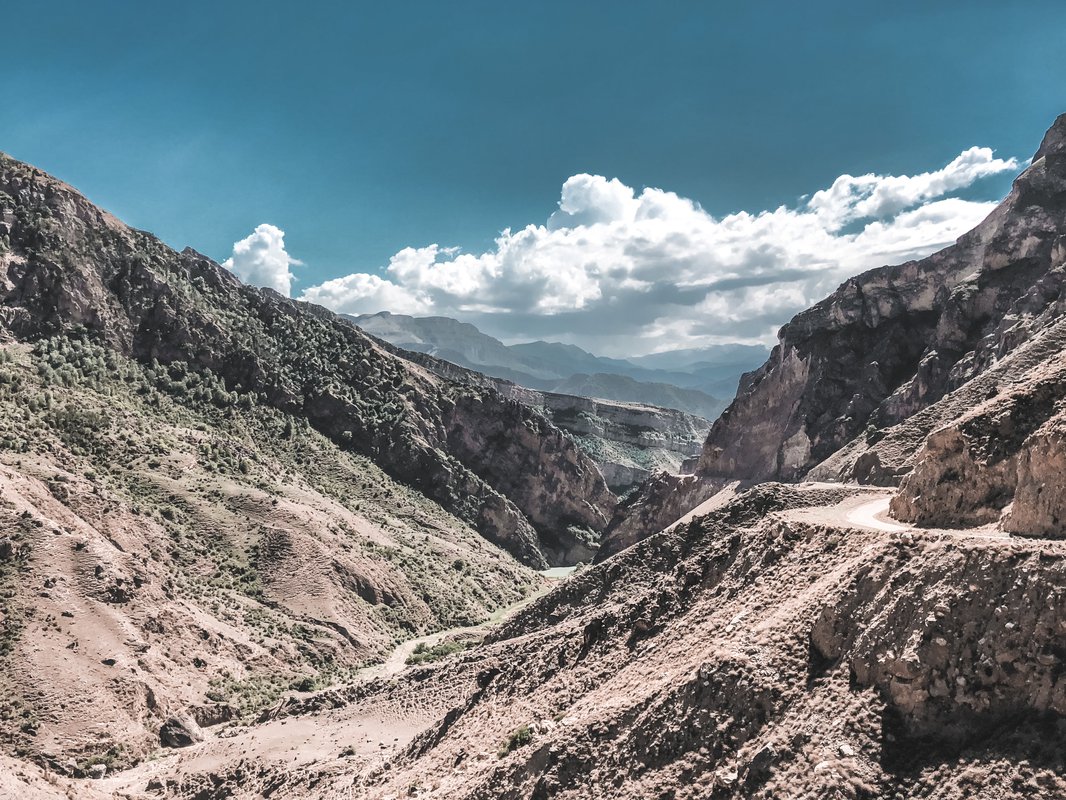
x=697 y=381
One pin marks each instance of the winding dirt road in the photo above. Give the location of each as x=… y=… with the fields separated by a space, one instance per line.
x=874 y=515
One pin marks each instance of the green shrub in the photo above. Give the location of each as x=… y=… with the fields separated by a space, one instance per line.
x=520 y=736
x=424 y=654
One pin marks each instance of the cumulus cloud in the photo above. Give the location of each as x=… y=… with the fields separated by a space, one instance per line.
x=850 y=198
x=261 y=260
x=624 y=272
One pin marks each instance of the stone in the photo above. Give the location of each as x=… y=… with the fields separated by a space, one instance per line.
x=179 y=732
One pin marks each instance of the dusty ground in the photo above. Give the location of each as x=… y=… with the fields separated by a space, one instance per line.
x=795 y=643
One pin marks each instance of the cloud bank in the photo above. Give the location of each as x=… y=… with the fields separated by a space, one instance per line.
x=261 y=259
x=622 y=272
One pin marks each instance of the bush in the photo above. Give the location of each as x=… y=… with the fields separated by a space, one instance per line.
x=423 y=654
x=519 y=737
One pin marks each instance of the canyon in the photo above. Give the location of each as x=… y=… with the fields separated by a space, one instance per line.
x=249 y=550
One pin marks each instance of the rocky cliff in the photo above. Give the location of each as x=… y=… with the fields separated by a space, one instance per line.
x=894 y=340
x=858 y=381
x=628 y=441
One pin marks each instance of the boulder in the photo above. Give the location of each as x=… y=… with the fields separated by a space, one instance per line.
x=180 y=732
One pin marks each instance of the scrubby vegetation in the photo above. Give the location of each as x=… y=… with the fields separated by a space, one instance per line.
x=215 y=470
x=519 y=737
x=424 y=654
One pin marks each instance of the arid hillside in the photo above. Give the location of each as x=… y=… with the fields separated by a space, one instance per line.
x=211 y=495
x=792 y=643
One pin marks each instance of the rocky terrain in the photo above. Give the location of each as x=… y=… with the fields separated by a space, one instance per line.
x=682 y=668
x=71 y=268
x=628 y=441
x=858 y=594
x=211 y=495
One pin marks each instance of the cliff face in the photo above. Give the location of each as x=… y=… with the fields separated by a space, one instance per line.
x=628 y=441
x=880 y=380
x=67 y=265
x=895 y=340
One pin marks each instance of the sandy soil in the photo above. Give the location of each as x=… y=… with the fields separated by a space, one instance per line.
x=356 y=737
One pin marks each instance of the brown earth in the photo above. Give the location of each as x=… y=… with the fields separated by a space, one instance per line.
x=680 y=669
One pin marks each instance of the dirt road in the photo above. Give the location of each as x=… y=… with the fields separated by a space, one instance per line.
x=874 y=514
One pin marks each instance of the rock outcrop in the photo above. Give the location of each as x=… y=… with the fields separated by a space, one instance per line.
x=895 y=340
x=859 y=381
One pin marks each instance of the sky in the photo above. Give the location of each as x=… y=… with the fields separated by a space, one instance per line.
x=628 y=177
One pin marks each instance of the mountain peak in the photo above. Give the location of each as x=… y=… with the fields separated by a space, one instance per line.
x=1054 y=141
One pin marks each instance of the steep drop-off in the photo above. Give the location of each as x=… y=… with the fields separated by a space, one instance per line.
x=857 y=382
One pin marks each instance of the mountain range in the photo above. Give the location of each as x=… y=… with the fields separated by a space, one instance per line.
x=692 y=380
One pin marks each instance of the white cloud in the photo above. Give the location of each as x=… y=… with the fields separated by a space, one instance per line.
x=622 y=272
x=260 y=259
x=850 y=198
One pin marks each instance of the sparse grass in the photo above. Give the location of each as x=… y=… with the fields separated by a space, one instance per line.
x=114 y=756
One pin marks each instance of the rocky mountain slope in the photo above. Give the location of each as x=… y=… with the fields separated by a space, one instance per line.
x=773 y=648
x=210 y=494
x=859 y=381
x=69 y=265
x=628 y=441
x=693 y=382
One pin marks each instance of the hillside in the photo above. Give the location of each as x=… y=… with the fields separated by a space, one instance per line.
x=788 y=644
x=211 y=494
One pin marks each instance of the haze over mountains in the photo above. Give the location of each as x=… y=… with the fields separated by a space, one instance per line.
x=698 y=381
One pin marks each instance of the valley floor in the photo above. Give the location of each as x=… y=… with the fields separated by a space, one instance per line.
x=794 y=643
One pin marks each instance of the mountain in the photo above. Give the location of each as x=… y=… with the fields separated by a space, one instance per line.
x=567 y=369
x=857 y=595
x=622 y=388
x=628 y=441
x=941 y=374
x=786 y=637
x=695 y=358
x=212 y=493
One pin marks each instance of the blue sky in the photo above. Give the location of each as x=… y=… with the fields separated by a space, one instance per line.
x=363 y=129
